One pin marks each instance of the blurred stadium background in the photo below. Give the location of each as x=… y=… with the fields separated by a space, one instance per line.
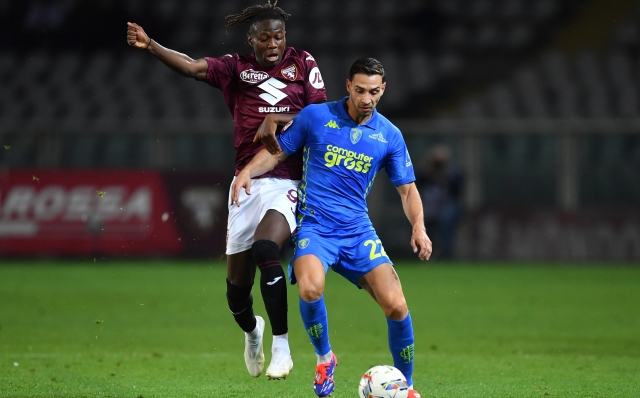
x=106 y=152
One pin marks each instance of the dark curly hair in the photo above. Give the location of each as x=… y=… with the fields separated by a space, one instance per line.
x=258 y=13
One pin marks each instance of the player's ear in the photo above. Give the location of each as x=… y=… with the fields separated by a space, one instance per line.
x=348 y=85
x=384 y=85
x=250 y=39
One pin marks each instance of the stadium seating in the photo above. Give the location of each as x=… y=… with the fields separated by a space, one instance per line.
x=446 y=59
x=83 y=86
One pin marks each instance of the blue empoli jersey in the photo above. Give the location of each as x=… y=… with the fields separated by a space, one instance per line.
x=341 y=160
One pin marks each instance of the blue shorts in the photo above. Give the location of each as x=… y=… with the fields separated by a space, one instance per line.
x=351 y=253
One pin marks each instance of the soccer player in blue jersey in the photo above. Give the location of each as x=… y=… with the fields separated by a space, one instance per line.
x=345 y=143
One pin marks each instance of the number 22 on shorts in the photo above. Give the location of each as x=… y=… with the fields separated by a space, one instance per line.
x=374 y=246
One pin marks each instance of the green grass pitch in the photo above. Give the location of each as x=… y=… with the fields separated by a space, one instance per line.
x=162 y=329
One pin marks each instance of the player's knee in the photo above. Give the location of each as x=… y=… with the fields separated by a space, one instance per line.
x=264 y=251
x=310 y=291
x=396 y=309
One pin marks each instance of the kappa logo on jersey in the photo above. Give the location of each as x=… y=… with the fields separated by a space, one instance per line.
x=336 y=156
x=304 y=243
x=253 y=76
x=315 y=78
x=290 y=72
x=273 y=94
x=355 y=135
x=332 y=124
x=378 y=137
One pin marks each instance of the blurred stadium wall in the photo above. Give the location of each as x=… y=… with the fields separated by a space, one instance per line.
x=538 y=101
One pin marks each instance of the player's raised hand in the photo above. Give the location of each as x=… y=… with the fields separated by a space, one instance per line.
x=136 y=36
x=421 y=244
x=267 y=135
x=242 y=180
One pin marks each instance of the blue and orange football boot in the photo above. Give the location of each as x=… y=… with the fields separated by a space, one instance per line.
x=323 y=383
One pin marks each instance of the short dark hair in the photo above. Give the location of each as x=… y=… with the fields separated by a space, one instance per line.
x=368 y=66
x=258 y=13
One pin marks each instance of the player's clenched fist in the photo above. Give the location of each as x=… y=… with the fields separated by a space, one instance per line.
x=136 y=37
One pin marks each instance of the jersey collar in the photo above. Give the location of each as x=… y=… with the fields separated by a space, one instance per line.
x=372 y=123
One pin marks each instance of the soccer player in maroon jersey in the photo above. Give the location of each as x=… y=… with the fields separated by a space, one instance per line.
x=262 y=90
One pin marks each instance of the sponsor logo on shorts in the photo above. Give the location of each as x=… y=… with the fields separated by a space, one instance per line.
x=336 y=156
x=303 y=243
x=253 y=76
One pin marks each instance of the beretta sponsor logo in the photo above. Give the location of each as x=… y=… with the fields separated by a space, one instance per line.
x=253 y=76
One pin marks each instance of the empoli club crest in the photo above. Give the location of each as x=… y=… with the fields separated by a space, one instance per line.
x=303 y=243
x=356 y=134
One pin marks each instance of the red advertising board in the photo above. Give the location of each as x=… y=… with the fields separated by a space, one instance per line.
x=44 y=212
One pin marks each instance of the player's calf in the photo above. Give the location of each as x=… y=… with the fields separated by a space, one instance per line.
x=273 y=284
x=240 y=304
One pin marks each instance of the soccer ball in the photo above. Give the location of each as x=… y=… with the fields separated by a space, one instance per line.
x=383 y=381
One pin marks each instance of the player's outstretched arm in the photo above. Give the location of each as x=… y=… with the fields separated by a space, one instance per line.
x=181 y=63
x=267 y=130
x=412 y=205
x=262 y=162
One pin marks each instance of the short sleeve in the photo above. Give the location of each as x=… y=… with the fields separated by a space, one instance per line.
x=398 y=162
x=221 y=71
x=295 y=133
x=314 y=90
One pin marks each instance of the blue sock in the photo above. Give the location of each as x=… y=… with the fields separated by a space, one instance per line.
x=401 y=346
x=314 y=317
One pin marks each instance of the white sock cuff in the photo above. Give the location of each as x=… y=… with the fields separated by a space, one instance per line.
x=324 y=358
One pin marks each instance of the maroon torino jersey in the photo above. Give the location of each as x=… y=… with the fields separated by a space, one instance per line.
x=251 y=92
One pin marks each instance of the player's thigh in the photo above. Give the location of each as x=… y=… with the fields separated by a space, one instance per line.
x=383 y=284
x=312 y=256
x=278 y=199
x=243 y=220
x=274 y=227
x=241 y=268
